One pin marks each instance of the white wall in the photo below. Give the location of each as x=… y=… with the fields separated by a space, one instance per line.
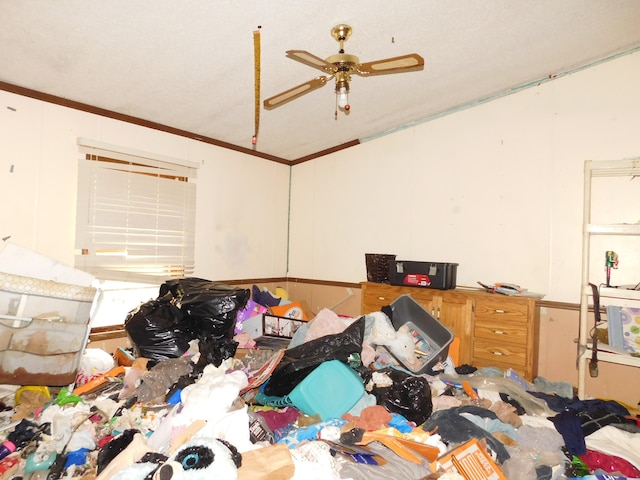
x=496 y=188
x=242 y=200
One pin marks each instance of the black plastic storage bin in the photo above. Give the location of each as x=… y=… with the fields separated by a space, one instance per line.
x=432 y=338
x=441 y=276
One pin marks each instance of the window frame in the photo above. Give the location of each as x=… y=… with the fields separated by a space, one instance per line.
x=135 y=214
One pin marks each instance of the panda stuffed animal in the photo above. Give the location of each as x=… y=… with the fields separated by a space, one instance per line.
x=200 y=458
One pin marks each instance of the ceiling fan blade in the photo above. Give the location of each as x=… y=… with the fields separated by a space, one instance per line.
x=294 y=92
x=403 y=63
x=311 y=60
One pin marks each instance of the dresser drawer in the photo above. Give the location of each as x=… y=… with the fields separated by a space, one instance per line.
x=502 y=310
x=501 y=332
x=489 y=353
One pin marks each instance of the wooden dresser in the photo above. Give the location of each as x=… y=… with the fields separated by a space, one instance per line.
x=494 y=330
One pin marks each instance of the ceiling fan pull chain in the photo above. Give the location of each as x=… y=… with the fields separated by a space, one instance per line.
x=256 y=63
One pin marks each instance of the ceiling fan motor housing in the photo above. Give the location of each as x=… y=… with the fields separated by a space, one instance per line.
x=345 y=59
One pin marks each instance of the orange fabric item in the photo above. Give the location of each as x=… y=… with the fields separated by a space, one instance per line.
x=374 y=417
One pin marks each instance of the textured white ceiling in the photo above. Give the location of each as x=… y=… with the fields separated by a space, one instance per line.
x=189 y=64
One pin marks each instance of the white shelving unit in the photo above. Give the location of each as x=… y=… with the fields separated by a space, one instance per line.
x=608 y=295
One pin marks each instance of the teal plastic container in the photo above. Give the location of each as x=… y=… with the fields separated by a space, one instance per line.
x=330 y=391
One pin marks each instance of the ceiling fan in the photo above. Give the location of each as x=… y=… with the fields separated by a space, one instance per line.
x=340 y=67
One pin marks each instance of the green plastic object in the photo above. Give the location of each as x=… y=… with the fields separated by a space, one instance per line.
x=65 y=397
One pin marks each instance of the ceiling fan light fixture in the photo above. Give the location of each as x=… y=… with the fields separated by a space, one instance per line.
x=342 y=91
x=343 y=97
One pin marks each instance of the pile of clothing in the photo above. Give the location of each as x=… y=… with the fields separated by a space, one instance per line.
x=338 y=403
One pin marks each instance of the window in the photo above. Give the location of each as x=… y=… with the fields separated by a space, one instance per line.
x=117 y=299
x=135 y=214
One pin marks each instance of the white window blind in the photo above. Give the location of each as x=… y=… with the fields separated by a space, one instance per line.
x=135 y=214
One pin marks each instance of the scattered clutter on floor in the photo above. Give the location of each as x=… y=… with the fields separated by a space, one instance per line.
x=206 y=393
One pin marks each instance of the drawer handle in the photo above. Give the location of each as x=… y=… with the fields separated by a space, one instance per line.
x=500 y=311
x=381 y=298
x=499 y=332
x=498 y=353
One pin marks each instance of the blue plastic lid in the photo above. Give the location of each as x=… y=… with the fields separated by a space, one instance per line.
x=175 y=397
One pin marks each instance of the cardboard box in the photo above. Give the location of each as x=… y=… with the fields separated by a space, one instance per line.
x=293 y=310
x=470 y=460
x=441 y=276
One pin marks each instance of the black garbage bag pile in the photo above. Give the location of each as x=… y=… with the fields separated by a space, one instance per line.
x=186 y=309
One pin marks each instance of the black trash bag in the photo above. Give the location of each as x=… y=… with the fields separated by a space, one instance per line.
x=157 y=331
x=214 y=351
x=210 y=307
x=114 y=447
x=409 y=396
x=300 y=361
